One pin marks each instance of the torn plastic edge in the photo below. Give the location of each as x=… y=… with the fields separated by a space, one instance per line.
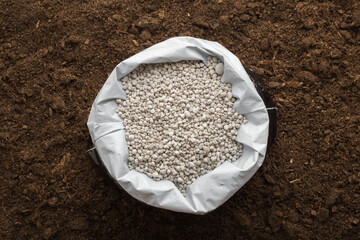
x=91 y=151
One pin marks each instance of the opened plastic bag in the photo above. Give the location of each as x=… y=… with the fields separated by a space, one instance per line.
x=211 y=190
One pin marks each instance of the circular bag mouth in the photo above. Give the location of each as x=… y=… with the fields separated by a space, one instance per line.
x=210 y=190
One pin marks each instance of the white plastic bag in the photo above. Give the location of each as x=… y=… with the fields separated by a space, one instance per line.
x=211 y=190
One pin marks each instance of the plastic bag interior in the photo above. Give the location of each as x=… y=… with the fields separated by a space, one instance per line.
x=211 y=190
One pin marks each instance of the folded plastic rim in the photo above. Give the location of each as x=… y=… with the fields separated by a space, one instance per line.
x=211 y=190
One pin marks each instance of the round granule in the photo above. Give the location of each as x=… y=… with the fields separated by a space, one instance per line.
x=179 y=120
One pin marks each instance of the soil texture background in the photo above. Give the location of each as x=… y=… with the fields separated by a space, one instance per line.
x=56 y=55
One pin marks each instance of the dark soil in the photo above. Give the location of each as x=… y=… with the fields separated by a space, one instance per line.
x=56 y=55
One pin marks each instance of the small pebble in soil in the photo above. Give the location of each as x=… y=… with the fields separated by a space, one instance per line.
x=323 y=214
